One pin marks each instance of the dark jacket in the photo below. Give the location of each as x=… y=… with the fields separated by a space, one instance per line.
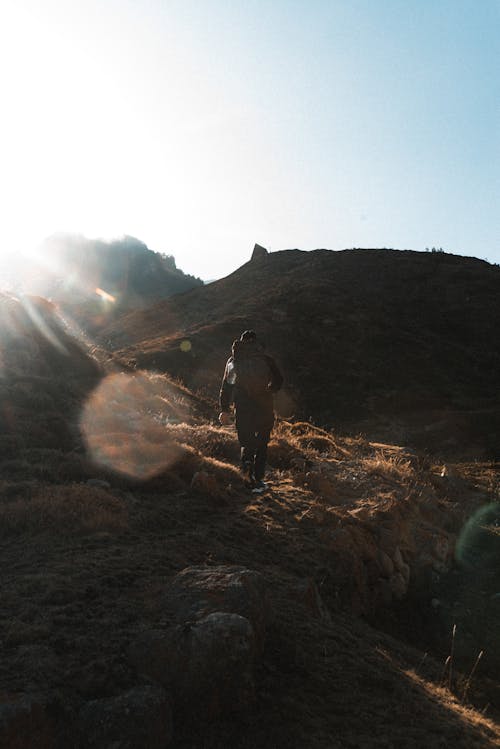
x=230 y=392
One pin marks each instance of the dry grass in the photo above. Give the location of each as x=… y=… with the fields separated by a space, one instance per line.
x=493 y=529
x=208 y=440
x=74 y=508
x=305 y=436
x=439 y=694
x=388 y=466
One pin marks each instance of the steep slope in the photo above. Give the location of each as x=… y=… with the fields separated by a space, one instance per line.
x=45 y=375
x=394 y=342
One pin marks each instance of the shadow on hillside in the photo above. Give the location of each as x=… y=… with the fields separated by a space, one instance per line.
x=342 y=684
x=340 y=679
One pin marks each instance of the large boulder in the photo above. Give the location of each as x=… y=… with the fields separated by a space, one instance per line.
x=198 y=591
x=207 y=656
x=208 y=664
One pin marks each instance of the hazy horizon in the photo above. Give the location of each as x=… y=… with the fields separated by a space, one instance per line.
x=202 y=129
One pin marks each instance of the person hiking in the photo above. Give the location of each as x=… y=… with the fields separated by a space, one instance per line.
x=250 y=379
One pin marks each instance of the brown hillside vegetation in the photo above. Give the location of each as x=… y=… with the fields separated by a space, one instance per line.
x=398 y=344
x=149 y=601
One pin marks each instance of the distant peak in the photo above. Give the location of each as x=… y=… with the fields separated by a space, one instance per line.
x=259 y=252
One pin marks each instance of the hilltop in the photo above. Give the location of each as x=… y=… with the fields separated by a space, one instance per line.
x=142 y=584
x=395 y=344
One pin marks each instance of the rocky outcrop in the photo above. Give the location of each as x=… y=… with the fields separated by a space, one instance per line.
x=198 y=591
x=259 y=253
x=207 y=657
x=208 y=665
x=377 y=560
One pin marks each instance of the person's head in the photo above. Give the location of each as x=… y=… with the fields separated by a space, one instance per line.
x=248 y=335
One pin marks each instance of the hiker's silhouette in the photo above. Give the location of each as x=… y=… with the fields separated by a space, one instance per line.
x=250 y=379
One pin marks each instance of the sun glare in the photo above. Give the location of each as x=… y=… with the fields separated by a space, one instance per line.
x=125 y=425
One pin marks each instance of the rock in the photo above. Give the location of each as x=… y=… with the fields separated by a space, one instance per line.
x=386 y=564
x=136 y=719
x=398 y=585
x=208 y=665
x=198 y=591
x=259 y=253
x=364 y=542
x=388 y=541
x=25 y=723
x=401 y=565
x=207 y=657
x=398 y=559
x=441 y=548
x=405 y=571
x=350 y=573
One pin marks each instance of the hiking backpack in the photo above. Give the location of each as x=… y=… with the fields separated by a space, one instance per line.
x=252 y=370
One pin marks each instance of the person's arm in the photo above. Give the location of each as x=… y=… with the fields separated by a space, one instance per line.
x=226 y=390
x=276 y=376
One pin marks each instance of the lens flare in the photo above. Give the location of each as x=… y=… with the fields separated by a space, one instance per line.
x=478 y=546
x=105 y=295
x=185 y=346
x=125 y=424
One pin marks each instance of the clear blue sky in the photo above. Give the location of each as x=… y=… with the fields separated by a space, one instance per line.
x=203 y=126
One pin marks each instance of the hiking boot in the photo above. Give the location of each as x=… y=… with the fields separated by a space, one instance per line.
x=248 y=471
x=259 y=487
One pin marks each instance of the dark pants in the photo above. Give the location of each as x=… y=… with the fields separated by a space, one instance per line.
x=253 y=435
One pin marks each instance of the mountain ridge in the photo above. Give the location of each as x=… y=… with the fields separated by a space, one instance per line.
x=362 y=335
x=92 y=280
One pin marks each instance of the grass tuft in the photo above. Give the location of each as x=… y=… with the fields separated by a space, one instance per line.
x=75 y=508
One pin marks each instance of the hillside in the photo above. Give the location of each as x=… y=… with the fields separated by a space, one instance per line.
x=92 y=279
x=142 y=585
x=399 y=345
